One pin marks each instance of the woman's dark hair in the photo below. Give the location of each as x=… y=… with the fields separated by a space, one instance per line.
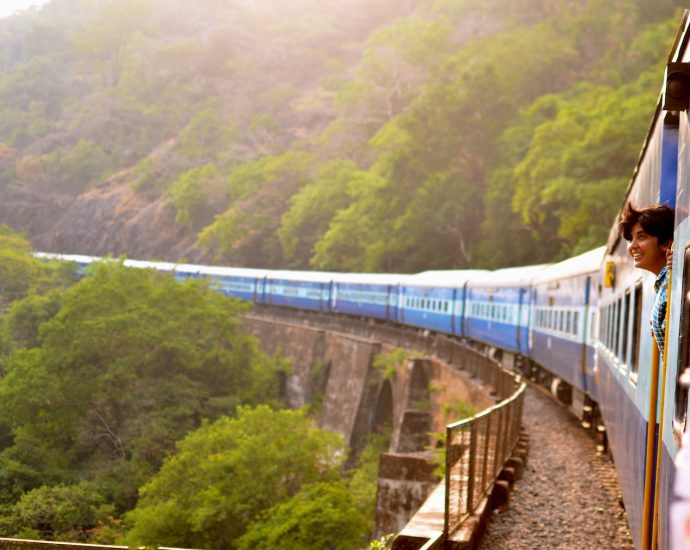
x=656 y=220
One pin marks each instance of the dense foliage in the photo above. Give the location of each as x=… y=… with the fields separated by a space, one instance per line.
x=135 y=409
x=101 y=377
x=387 y=136
x=226 y=473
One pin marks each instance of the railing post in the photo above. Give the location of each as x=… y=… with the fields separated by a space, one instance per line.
x=499 y=458
x=487 y=447
x=446 y=515
x=471 y=468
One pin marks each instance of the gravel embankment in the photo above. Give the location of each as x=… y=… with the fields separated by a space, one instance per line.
x=568 y=497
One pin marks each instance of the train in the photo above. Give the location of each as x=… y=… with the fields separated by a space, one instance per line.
x=577 y=327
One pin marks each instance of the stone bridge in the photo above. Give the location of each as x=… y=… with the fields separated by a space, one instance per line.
x=366 y=377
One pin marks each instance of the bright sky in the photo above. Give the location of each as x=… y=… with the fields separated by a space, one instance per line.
x=8 y=7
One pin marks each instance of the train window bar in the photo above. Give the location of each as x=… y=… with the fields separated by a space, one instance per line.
x=626 y=322
x=683 y=377
x=611 y=325
x=636 y=328
x=617 y=329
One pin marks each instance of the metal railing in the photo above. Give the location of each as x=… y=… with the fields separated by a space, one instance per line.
x=478 y=447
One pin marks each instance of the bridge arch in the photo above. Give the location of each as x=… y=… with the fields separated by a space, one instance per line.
x=382 y=422
x=416 y=421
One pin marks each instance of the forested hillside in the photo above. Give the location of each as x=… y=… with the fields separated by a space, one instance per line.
x=389 y=136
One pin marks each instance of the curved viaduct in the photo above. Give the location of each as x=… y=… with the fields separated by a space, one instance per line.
x=364 y=383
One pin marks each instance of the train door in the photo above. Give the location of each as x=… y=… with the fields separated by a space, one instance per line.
x=522 y=322
x=680 y=408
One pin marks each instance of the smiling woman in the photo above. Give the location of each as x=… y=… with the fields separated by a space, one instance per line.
x=10 y=7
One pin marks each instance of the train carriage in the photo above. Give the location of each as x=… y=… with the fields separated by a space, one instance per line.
x=624 y=352
x=299 y=289
x=562 y=315
x=675 y=188
x=367 y=294
x=241 y=283
x=435 y=300
x=497 y=309
x=630 y=398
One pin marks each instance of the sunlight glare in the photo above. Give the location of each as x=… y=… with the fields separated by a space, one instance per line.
x=9 y=7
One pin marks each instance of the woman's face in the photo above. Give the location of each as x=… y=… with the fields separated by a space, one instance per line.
x=646 y=251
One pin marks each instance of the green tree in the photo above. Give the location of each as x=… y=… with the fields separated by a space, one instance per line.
x=131 y=362
x=108 y=40
x=20 y=272
x=207 y=135
x=313 y=208
x=82 y=166
x=228 y=472
x=320 y=515
x=197 y=195
x=246 y=232
x=61 y=512
x=567 y=183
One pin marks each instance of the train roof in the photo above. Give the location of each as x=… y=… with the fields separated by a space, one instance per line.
x=371 y=278
x=589 y=262
x=507 y=277
x=78 y=258
x=218 y=271
x=307 y=276
x=453 y=278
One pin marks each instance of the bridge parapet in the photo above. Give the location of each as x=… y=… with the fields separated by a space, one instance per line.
x=479 y=465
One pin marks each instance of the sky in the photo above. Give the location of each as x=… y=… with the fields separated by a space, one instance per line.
x=8 y=7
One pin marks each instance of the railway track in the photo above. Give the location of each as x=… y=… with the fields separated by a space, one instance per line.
x=568 y=497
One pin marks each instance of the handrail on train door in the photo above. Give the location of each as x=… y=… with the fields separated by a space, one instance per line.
x=660 y=441
x=648 y=502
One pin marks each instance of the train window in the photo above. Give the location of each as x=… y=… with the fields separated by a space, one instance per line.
x=681 y=408
x=636 y=328
x=575 y=322
x=569 y=322
x=561 y=320
x=624 y=336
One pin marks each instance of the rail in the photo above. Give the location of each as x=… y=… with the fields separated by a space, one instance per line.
x=478 y=447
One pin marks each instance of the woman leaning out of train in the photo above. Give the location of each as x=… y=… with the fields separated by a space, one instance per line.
x=649 y=232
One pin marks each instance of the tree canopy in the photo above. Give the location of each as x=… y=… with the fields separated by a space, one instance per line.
x=226 y=473
x=102 y=378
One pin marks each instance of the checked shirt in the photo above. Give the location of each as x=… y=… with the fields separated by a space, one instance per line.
x=659 y=310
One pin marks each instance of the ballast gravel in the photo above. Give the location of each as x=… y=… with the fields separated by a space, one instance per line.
x=568 y=497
